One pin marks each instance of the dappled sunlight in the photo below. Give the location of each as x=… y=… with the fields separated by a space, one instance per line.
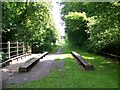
x=23 y=59
x=56 y=56
x=67 y=67
x=62 y=56
x=106 y=62
x=101 y=66
x=5 y=70
x=20 y=61
x=88 y=29
x=48 y=58
x=15 y=64
x=86 y=57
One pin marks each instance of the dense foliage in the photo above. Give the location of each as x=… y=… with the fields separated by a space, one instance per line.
x=29 y=22
x=103 y=24
x=104 y=32
x=75 y=27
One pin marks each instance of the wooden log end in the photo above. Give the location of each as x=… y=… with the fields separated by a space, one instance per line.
x=90 y=67
x=22 y=69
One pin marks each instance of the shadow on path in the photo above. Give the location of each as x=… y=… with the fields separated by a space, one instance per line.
x=41 y=69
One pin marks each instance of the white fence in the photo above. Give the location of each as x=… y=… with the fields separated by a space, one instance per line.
x=13 y=49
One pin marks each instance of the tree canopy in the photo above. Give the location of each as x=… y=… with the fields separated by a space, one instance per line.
x=103 y=28
x=29 y=22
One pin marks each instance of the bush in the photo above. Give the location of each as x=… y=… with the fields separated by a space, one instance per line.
x=76 y=25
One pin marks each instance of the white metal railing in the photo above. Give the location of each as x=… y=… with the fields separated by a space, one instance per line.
x=10 y=50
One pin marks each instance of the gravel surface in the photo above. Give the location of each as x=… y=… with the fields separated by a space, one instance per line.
x=40 y=70
x=10 y=74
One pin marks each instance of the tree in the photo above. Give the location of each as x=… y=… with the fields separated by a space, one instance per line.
x=103 y=24
x=76 y=25
x=104 y=32
x=29 y=22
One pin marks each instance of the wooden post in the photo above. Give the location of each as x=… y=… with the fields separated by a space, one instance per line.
x=23 y=48
x=9 y=49
x=17 y=50
x=30 y=49
x=27 y=49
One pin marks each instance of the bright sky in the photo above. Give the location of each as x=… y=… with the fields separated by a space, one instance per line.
x=57 y=17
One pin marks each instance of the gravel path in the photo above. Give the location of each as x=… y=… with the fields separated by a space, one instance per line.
x=41 y=69
x=59 y=64
x=59 y=51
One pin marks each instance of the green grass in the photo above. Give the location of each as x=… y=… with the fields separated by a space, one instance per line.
x=54 y=49
x=105 y=74
x=57 y=59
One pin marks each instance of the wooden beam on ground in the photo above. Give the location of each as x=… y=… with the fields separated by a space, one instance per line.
x=30 y=63
x=83 y=62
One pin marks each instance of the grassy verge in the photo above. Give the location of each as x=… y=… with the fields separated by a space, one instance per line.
x=105 y=74
x=54 y=49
